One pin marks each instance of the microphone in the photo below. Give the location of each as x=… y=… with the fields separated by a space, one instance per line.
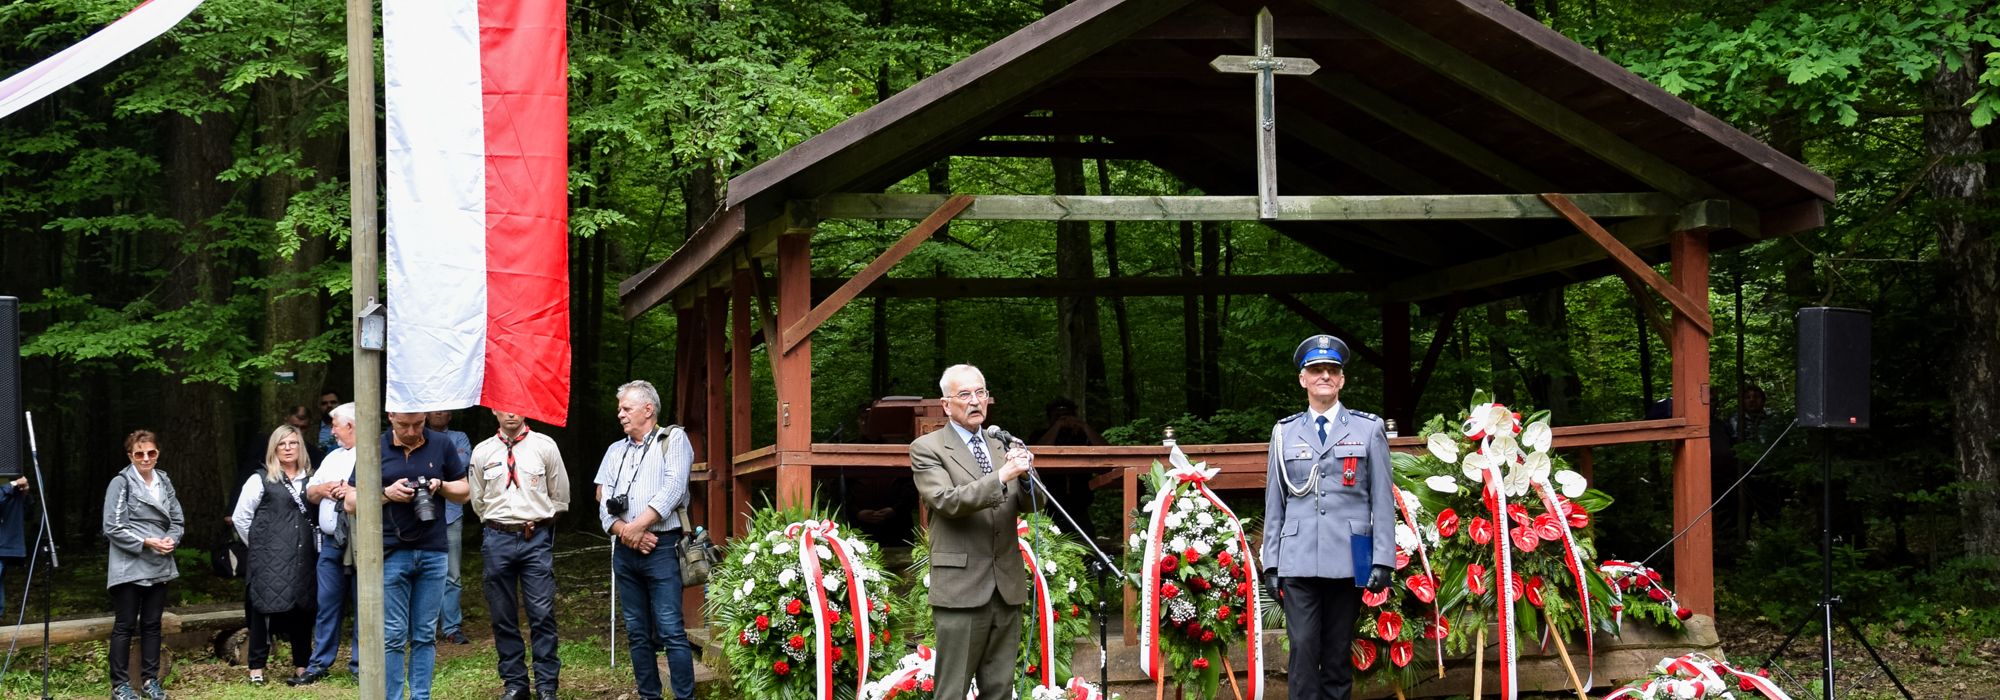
x=1006 y=439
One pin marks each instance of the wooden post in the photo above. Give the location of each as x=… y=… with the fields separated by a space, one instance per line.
x=1399 y=393
x=1129 y=486
x=1694 y=552
x=362 y=202
x=795 y=370
x=739 y=395
x=717 y=501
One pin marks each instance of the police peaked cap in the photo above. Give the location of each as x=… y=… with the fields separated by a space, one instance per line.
x=1320 y=349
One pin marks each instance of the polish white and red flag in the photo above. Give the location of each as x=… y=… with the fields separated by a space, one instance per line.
x=143 y=24
x=477 y=181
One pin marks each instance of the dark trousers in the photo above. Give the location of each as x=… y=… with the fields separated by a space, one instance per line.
x=520 y=572
x=1319 y=618
x=296 y=624
x=982 y=643
x=649 y=595
x=137 y=609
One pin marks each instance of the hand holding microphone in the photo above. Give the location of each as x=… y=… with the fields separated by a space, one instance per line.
x=1019 y=460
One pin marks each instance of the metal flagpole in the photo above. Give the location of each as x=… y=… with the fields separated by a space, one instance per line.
x=363 y=198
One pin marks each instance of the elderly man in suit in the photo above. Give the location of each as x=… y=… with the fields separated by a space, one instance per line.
x=1329 y=521
x=977 y=582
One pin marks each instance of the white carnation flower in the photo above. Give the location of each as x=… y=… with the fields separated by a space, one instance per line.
x=1442 y=483
x=831 y=582
x=1203 y=547
x=1229 y=545
x=749 y=557
x=1048 y=566
x=781 y=548
x=1406 y=538
x=749 y=586
x=1149 y=506
x=1410 y=502
x=1174 y=521
x=1054 y=530
x=1572 y=483
x=1072 y=585
x=927 y=580
x=739 y=594
x=1178 y=544
x=1204 y=520
x=787 y=575
x=1135 y=541
x=857 y=546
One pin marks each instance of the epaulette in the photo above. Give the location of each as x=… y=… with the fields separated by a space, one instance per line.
x=1290 y=418
x=1365 y=414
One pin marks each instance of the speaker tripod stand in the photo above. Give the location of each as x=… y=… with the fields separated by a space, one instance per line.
x=1828 y=599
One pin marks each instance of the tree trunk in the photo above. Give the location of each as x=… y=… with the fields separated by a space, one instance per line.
x=1211 y=321
x=1500 y=364
x=1128 y=377
x=283 y=108
x=1554 y=385
x=1076 y=317
x=196 y=418
x=1190 y=327
x=1971 y=260
x=939 y=175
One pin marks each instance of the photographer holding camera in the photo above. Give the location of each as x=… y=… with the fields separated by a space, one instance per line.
x=641 y=480
x=419 y=468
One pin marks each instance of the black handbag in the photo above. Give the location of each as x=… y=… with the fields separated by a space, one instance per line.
x=229 y=557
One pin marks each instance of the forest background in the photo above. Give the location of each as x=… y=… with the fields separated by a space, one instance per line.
x=177 y=225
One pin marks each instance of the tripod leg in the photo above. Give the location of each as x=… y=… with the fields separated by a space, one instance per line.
x=1879 y=663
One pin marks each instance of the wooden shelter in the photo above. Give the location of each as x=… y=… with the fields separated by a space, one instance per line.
x=1455 y=150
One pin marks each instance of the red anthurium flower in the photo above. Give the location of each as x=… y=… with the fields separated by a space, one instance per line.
x=1534 y=591
x=1169 y=562
x=1548 y=527
x=1437 y=628
x=1481 y=531
x=1524 y=538
x=1201 y=662
x=1389 y=625
x=1475 y=579
x=1518 y=588
x=780 y=667
x=1422 y=587
x=793 y=608
x=1374 y=599
x=1683 y=613
x=1400 y=653
x=1447 y=523
x=1402 y=560
x=1579 y=519
x=1167 y=590
x=1364 y=654
x=763 y=623
x=1191 y=556
x=1518 y=513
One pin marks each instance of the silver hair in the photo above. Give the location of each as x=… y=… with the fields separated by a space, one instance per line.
x=645 y=391
x=343 y=413
x=945 y=380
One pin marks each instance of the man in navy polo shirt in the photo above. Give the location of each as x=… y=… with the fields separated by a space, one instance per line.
x=413 y=548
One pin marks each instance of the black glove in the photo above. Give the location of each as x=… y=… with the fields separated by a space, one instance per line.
x=1271 y=583
x=1379 y=577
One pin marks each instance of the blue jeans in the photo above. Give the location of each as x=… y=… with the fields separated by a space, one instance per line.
x=649 y=595
x=336 y=603
x=412 y=589
x=450 y=617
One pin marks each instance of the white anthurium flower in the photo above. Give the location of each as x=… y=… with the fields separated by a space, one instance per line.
x=749 y=557
x=1572 y=484
x=1444 y=448
x=1538 y=436
x=1504 y=448
x=1489 y=419
x=1516 y=482
x=1474 y=466
x=1442 y=483
x=1149 y=506
x=787 y=575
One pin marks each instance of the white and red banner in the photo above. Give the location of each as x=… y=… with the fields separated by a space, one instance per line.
x=478 y=204
x=143 y=24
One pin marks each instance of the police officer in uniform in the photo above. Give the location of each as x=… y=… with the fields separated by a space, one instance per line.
x=1329 y=524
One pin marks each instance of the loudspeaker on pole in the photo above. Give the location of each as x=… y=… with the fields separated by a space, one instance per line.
x=1833 y=368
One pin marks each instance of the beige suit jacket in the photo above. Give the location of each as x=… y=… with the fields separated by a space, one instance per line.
x=973 y=541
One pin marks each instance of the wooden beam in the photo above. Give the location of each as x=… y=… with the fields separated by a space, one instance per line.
x=1453 y=207
x=1086 y=150
x=800 y=330
x=1523 y=101
x=1043 y=287
x=1545 y=258
x=1326 y=325
x=766 y=317
x=651 y=286
x=1197 y=28
x=794 y=410
x=1681 y=301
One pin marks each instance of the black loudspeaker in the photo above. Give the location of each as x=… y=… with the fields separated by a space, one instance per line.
x=1833 y=368
x=11 y=418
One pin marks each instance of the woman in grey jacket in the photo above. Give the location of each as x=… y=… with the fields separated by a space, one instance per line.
x=142 y=519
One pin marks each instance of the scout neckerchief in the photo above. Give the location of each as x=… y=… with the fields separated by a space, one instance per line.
x=513 y=480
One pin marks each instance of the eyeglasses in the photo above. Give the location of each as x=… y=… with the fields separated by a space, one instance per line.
x=981 y=394
x=145 y=454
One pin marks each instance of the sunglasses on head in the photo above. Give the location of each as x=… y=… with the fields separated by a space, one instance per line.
x=145 y=454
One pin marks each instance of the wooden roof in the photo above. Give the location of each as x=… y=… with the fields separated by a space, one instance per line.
x=1412 y=97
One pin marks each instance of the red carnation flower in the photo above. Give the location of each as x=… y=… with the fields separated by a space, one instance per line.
x=1222 y=613
x=1034 y=669
x=793 y=608
x=1447 y=522
x=1683 y=613
x=928 y=684
x=1191 y=556
x=1658 y=596
x=1481 y=531
x=743 y=638
x=907 y=684
x=1167 y=590
x=1207 y=636
x=836 y=653
x=1243 y=589
x=1389 y=625
x=833 y=616
x=1199 y=583
x=763 y=623
x=1223 y=559
x=1075 y=611
x=780 y=667
x=1200 y=663
x=1168 y=563
x=797 y=642
x=885 y=635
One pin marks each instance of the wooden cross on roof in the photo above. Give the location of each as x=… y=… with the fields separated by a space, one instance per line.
x=1267 y=65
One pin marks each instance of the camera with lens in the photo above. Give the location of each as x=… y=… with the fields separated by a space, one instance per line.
x=616 y=505
x=423 y=502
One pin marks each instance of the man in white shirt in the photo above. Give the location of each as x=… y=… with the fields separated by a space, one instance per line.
x=336 y=580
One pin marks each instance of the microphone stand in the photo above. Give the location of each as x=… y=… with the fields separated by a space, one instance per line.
x=48 y=545
x=1100 y=565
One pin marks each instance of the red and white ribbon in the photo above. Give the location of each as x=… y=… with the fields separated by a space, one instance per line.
x=1423 y=557
x=1045 y=611
x=1187 y=475
x=1503 y=589
x=1698 y=676
x=810 y=535
x=1573 y=558
x=1615 y=570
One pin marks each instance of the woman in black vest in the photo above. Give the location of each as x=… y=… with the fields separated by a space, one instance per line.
x=273 y=518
